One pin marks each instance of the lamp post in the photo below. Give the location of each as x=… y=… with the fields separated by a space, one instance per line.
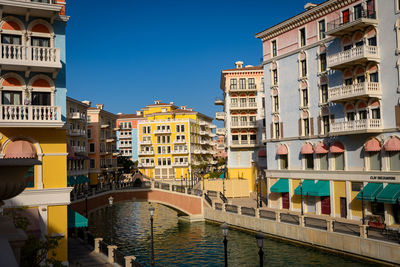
x=151 y=210
x=110 y=202
x=185 y=179
x=202 y=173
x=257 y=194
x=260 y=244
x=181 y=182
x=362 y=204
x=225 y=228
x=86 y=206
x=301 y=193
x=260 y=181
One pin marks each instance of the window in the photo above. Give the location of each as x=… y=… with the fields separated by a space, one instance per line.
x=302 y=37
x=41 y=99
x=235 y=139
x=325 y=124
x=253 y=139
x=346 y=16
x=252 y=102
x=242 y=83
x=92 y=163
x=92 y=147
x=243 y=102
x=277 y=130
x=323 y=161
x=356 y=186
x=339 y=161
x=306 y=125
x=274 y=50
x=394 y=160
x=371 y=9
x=376 y=113
x=275 y=101
x=303 y=65
x=372 y=41
x=347 y=47
x=283 y=162
x=322 y=62
x=324 y=93
x=357 y=12
x=252 y=83
x=374 y=160
x=321 y=29
x=275 y=77
x=12 y=98
x=362 y=114
x=304 y=97
x=360 y=79
x=233 y=84
x=350 y=116
x=308 y=161
x=89 y=133
x=373 y=77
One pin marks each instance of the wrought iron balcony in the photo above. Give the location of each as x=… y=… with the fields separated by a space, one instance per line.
x=354 y=91
x=30 y=116
x=351 y=22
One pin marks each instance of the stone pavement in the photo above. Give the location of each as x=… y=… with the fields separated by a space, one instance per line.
x=80 y=255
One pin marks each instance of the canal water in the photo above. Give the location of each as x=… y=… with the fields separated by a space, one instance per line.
x=197 y=244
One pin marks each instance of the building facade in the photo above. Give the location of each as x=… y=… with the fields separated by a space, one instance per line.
x=102 y=139
x=33 y=111
x=172 y=140
x=243 y=117
x=77 y=141
x=127 y=135
x=332 y=104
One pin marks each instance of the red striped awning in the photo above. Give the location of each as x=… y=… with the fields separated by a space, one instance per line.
x=321 y=148
x=393 y=144
x=307 y=148
x=372 y=145
x=282 y=150
x=337 y=147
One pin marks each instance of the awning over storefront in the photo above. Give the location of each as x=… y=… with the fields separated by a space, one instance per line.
x=76 y=220
x=372 y=145
x=320 y=189
x=80 y=179
x=389 y=194
x=222 y=176
x=371 y=190
x=321 y=148
x=308 y=186
x=393 y=144
x=281 y=186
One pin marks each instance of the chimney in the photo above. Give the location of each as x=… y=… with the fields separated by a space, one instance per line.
x=239 y=64
x=309 y=6
x=139 y=113
x=156 y=101
x=119 y=113
x=183 y=107
x=99 y=106
x=171 y=103
x=87 y=102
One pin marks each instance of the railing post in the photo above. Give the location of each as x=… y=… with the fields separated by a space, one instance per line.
x=301 y=220
x=257 y=213
x=329 y=225
x=277 y=216
x=128 y=260
x=239 y=210
x=97 y=244
x=363 y=231
x=111 y=251
x=152 y=184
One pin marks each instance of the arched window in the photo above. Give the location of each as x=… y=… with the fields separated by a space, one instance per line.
x=372 y=149
x=307 y=152
x=42 y=90
x=337 y=151
x=12 y=89
x=362 y=112
x=12 y=32
x=276 y=131
x=392 y=148
x=350 y=113
x=322 y=150
x=375 y=109
x=282 y=153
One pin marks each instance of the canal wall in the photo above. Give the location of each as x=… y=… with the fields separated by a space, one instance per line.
x=326 y=239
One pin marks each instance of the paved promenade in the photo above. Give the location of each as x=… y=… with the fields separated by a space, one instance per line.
x=80 y=255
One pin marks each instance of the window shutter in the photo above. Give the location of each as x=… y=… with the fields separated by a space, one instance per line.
x=312 y=126
x=300 y=130
x=272 y=130
x=319 y=124
x=397 y=115
x=281 y=126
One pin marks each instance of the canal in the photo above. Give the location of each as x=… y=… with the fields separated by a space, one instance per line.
x=196 y=244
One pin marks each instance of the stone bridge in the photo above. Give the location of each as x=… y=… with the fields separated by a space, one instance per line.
x=188 y=203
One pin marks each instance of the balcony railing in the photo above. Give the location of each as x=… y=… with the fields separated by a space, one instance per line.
x=353 y=56
x=180 y=141
x=251 y=87
x=30 y=116
x=180 y=164
x=203 y=132
x=180 y=151
x=145 y=142
x=220 y=115
x=77 y=115
x=244 y=124
x=146 y=165
x=351 y=22
x=77 y=132
x=145 y=153
x=220 y=131
x=125 y=145
x=354 y=91
x=162 y=131
x=244 y=142
x=36 y=56
x=79 y=149
x=347 y=127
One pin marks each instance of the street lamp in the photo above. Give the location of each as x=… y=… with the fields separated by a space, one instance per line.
x=181 y=183
x=225 y=228
x=86 y=205
x=257 y=193
x=260 y=244
x=260 y=181
x=362 y=204
x=151 y=210
x=185 y=179
x=202 y=173
x=301 y=193
x=110 y=202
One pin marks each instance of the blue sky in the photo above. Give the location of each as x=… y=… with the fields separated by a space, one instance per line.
x=128 y=53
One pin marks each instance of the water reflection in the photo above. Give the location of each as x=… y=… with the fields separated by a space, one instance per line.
x=197 y=244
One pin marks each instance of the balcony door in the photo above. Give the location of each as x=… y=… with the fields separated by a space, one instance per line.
x=11 y=98
x=9 y=42
x=41 y=99
x=37 y=52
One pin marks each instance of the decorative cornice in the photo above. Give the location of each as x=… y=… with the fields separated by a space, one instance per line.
x=303 y=18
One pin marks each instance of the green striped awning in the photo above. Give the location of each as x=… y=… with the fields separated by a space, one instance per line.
x=71 y=180
x=389 y=194
x=76 y=220
x=371 y=190
x=281 y=186
x=308 y=186
x=321 y=189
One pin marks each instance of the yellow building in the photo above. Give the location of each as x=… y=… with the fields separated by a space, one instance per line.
x=172 y=140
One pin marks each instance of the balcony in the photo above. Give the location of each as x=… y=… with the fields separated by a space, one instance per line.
x=110 y=139
x=145 y=142
x=203 y=132
x=29 y=8
x=116 y=153
x=220 y=116
x=77 y=116
x=244 y=124
x=249 y=105
x=357 y=126
x=177 y=152
x=180 y=141
x=125 y=136
x=30 y=116
x=104 y=125
x=162 y=131
x=219 y=102
x=146 y=165
x=221 y=146
x=354 y=91
x=251 y=88
x=212 y=126
x=355 y=56
x=79 y=149
x=146 y=153
x=124 y=145
x=180 y=164
x=244 y=143
x=350 y=23
x=30 y=58
x=77 y=132
x=220 y=131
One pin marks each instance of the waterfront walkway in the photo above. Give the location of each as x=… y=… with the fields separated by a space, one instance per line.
x=81 y=255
